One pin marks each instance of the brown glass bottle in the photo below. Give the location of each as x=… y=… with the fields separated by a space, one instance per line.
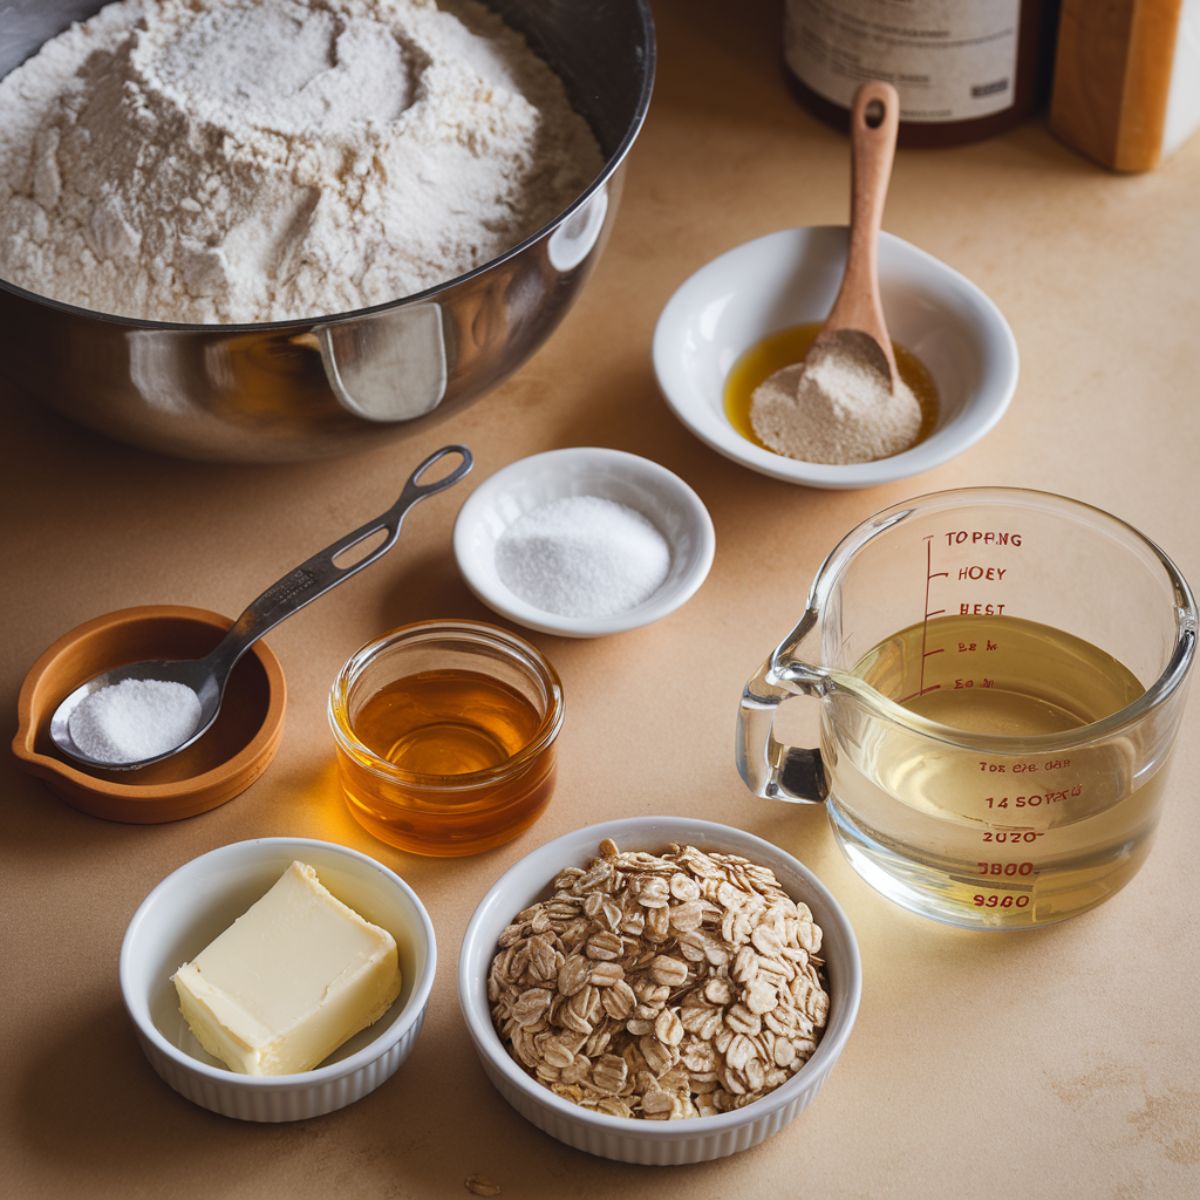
x=965 y=69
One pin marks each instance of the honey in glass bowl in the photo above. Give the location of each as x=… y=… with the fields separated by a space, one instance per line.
x=445 y=734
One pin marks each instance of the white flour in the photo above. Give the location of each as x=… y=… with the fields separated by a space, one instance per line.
x=230 y=161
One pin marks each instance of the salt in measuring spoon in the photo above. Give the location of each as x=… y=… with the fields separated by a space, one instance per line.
x=314 y=577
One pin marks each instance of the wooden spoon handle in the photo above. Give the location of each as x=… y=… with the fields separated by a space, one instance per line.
x=874 y=121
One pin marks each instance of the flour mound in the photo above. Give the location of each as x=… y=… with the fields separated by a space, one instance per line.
x=232 y=161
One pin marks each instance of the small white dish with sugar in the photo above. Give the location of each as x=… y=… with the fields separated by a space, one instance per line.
x=611 y=540
x=790 y=278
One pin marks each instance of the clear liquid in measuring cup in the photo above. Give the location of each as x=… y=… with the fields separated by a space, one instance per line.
x=975 y=837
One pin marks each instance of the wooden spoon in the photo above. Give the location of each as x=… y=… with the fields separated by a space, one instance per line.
x=857 y=314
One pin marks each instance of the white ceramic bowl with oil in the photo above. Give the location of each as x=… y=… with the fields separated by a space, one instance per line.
x=791 y=277
x=192 y=905
x=664 y=499
x=655 y=1143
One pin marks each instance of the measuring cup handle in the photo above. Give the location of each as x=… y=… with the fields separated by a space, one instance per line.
x=769 y=768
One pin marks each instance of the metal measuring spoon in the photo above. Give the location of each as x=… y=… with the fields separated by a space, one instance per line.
x=208 y=676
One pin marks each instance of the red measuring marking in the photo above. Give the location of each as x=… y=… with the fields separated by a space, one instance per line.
x=930 y=575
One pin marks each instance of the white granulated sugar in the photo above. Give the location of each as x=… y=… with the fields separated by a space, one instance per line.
x=583 y=556
x=134 y=719
x=235 y=161
x=835 y=407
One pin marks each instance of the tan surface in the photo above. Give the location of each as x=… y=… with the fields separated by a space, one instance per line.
x=1063 y=1063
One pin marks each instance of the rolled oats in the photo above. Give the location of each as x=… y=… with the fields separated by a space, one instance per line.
x=661 y=986
x=672 y=972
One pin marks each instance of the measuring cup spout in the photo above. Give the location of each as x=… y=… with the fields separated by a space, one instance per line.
x=769 y=768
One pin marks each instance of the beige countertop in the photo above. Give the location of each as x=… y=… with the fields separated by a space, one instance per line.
x=1061 y=1063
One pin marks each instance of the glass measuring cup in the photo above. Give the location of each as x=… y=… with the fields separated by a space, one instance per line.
x=1001 y=675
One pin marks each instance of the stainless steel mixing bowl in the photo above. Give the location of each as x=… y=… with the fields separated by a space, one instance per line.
x=305 y=389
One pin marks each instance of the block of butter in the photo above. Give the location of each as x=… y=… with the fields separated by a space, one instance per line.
x=289 y=981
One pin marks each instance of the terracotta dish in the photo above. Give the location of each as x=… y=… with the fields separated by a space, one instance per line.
x=222 y=764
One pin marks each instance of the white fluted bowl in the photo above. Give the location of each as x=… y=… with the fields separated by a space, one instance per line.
x=192 y=905
x=654 y=1143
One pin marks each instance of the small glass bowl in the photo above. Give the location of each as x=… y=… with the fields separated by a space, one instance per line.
x=446 y=816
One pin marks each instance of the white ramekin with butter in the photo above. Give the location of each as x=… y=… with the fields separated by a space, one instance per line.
x=190 y=939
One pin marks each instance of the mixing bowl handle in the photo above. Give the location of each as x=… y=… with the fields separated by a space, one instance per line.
x=388 y=366
x=769 y=768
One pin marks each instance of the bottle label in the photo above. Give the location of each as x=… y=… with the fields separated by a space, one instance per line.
x=950 y=60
